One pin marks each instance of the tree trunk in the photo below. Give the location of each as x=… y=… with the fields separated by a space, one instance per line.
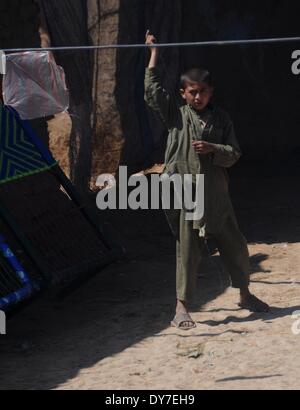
x=67 y=25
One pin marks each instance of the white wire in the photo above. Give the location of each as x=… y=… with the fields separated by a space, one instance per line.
x=160 y=45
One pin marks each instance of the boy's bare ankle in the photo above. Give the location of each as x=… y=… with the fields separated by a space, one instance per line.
x=181 y=306
x=245 y=292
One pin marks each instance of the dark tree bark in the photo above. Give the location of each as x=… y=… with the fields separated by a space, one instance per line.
x=67 y=25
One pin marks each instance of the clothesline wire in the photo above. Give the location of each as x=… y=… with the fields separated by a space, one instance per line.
x=160 y=45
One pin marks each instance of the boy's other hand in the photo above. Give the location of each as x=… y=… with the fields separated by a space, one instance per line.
x=203 y=147
x=150 y=39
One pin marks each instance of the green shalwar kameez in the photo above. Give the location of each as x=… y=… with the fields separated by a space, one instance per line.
x=213 y=125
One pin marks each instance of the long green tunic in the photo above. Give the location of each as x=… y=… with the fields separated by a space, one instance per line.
x=184 y=125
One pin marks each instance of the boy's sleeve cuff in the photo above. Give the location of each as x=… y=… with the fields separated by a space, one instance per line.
x=151 y=69
x=152 y=73
x=218 y=155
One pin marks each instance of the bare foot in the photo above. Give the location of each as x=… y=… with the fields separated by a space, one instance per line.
x=252 y=303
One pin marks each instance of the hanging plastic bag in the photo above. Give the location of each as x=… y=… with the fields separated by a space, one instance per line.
x=34 y=85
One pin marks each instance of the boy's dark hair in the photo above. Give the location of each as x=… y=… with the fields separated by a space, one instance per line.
x=195 y=75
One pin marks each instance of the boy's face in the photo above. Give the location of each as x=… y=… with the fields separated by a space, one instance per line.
x=197 y=95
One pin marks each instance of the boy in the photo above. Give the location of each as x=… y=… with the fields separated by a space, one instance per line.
x=201 y=141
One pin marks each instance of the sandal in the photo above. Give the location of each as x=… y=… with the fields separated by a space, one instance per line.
x=181 y=318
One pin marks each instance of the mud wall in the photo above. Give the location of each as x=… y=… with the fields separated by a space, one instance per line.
x=254 y=83
x=144 y=135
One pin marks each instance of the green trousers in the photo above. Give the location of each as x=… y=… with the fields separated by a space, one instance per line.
x=232 y=247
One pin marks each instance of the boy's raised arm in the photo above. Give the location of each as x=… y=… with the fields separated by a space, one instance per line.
x=150 y=41
x=155 y=95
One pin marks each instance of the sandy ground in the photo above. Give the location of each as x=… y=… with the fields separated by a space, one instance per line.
x=114 y=332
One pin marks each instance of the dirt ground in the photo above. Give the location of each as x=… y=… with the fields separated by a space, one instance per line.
x=114 y=332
